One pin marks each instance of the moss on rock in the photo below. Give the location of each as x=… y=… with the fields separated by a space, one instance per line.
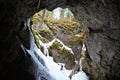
x=54 y=29
x=66 y=24
x=46 y=33
x=38 y=38
x=62 y=55
x=78 y=37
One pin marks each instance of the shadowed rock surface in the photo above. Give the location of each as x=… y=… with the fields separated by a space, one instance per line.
x=100 y=17
x=103 y=41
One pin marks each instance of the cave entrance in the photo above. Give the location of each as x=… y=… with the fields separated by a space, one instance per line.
x=57 y=17
x=59 y=35
x=61 y=24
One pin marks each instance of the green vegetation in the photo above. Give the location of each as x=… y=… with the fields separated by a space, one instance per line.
x=56 y=45
x=68 y=25
x=78 y=37
x=65 y=23
x=46 y=33
x=60 y=54
x=37 y=38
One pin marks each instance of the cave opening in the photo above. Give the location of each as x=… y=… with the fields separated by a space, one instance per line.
x=60 y=38
x=19 y=62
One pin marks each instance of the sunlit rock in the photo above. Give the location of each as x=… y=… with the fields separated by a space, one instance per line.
x=62 y=55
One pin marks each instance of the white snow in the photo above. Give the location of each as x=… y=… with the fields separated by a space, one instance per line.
x=47 y=45
x=56 y=13
x=83 y=52
x=80 y=76
x=55 y=68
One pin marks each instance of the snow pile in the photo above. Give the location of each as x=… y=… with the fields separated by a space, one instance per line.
x=80 y=76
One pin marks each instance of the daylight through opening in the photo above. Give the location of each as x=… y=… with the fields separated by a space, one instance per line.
x=60 y=38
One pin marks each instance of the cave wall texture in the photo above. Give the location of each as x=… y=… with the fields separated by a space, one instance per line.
x=99 y=17
x=13 y=63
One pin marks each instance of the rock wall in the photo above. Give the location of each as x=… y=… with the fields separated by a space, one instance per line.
x=14 y=64
x=100 y=18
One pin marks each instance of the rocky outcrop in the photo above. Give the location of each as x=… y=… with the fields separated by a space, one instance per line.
x=61 y=54
x=52 y=46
